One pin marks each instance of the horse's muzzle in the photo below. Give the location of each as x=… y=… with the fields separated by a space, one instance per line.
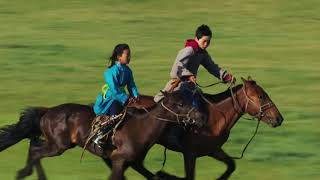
x=278 y=121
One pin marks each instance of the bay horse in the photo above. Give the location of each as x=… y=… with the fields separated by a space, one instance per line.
x=68 y=125
x=225 y=109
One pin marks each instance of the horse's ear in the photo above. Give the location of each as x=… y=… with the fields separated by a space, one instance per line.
x=243 y=80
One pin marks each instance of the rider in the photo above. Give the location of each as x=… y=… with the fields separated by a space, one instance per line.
x=185 y=70
x=187 y=62
x=111 y=101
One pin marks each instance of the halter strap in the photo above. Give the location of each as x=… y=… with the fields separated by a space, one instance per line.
x=262 y=108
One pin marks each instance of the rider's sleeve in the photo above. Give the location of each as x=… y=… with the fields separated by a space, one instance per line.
x=180 y=68
x=212 y=67
x=111 y=78
x=131 y=86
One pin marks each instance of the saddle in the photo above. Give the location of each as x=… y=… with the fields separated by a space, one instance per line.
x=101 y=121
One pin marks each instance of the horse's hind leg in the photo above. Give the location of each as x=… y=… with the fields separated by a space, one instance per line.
x=37 y=164
x=27 y=170
x=224 y=157
x=46 y=149
x=40 y=170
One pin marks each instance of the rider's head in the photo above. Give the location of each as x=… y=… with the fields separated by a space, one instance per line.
x=203 y=36
x=121 y=53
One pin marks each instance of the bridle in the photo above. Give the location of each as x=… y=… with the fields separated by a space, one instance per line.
x=261 y=109
x=262 y=112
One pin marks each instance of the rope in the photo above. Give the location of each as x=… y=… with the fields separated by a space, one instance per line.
x=94 y=130
x=118 y=124
x=91 y=135
x=245 y=148
x=213 y=84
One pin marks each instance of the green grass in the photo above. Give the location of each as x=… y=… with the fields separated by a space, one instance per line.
x=52 y=52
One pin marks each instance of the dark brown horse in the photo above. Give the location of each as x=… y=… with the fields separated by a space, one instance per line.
x=65 y=126
x=225 y=109
x=224 y=113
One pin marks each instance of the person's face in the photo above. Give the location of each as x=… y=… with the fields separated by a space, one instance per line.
x=203 y=42
x=124 y=58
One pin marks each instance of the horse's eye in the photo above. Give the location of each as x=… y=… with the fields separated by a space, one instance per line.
x=180 y=104
x=260 y=97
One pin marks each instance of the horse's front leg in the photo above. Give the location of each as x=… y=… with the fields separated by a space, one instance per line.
x=139 y=167
x=189 y=165
x=220 y=155
x=118 y=168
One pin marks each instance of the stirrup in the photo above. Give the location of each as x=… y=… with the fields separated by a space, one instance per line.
x=113 y=117
x=98 y=138
x=96 y=141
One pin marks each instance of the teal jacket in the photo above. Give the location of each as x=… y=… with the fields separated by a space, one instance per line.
x=116 y=78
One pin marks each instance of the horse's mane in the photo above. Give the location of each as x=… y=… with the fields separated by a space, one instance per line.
x=216 y=98
x=131 y=109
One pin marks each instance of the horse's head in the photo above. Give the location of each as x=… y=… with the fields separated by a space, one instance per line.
x=179 y=106
x=259 y=103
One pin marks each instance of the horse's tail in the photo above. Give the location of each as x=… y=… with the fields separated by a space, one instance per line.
x=28 y=126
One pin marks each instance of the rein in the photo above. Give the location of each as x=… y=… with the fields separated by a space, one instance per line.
x=213 y=84
x=262 y=108
x=258 y=116
x=186 y=117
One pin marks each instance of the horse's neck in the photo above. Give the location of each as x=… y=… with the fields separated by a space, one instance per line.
x=150 y=122
x=225 y=114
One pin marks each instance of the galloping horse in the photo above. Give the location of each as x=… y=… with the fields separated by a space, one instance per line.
x=68 y=125
x=225 y=109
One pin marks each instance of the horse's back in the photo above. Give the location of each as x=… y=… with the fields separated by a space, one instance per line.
x=69 y=118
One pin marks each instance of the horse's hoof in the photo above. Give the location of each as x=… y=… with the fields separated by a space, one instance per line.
x=42 y=177
x=156 y=178
x=161 y=174
x=23 y=173
x=165 y=176
x=222 y=178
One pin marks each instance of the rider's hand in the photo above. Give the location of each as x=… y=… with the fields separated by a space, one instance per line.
x=134 y=99
x=228 y=78
x=137 y=99
x=192 y=79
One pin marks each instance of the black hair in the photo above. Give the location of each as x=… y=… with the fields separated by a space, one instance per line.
x=203 y=30
x=117 y=51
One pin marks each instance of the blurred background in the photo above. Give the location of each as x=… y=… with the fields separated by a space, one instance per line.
x=55 y=51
